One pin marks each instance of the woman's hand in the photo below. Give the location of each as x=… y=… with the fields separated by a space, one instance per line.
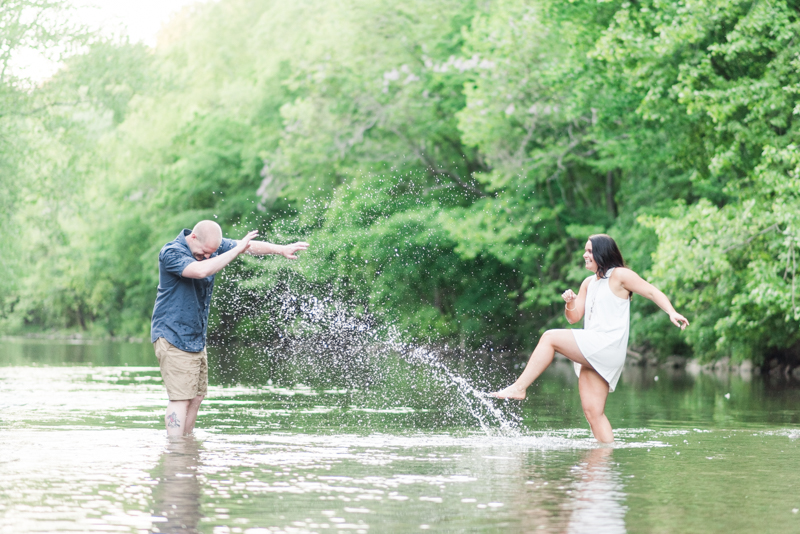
x=678 y=320
x=568 y=296
x=573 y=304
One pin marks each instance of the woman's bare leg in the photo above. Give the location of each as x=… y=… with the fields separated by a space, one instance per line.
x=561 y=341
x=594 y=392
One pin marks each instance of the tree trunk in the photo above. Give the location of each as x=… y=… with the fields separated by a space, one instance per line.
x=610 y=204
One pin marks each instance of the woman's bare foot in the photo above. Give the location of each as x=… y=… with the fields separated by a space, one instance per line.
x=511 y=392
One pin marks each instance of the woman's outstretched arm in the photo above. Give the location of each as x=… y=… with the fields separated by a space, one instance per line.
x=632 y=282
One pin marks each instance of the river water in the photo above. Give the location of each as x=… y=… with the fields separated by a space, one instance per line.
x=385 y=443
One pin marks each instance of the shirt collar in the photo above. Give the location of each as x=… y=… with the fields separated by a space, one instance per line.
x=182 y=237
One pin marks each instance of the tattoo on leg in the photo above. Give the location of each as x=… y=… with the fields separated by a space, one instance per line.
x=173 y=421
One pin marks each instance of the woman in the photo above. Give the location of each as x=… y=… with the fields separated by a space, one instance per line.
x=598 y=350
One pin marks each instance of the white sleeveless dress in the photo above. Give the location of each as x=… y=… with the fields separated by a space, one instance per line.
x=603 y=340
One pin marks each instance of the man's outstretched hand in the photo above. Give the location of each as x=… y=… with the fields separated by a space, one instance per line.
x=290 y=251
x=243 y=244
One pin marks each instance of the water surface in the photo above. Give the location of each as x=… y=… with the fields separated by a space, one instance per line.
x=385 y=443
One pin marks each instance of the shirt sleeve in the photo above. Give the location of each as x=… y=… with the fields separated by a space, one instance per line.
x=175 y=261
x=226 y=245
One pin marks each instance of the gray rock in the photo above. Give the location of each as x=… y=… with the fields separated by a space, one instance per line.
x=776 y=370
x=636 y=358
x=675 y=361
x=693 y=367
x=723 y=364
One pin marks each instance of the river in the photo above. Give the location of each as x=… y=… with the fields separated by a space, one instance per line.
x=384 y=443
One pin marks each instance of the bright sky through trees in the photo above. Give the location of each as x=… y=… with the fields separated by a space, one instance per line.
x=140 y=21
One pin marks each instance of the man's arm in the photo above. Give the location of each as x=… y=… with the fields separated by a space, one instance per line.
x=202 y=269
x=262 y=248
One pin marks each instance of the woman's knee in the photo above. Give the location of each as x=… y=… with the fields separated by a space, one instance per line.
x=593 y=409
x=593 y=414
x=547 y=338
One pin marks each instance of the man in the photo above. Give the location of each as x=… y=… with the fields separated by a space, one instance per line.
x=187 y=266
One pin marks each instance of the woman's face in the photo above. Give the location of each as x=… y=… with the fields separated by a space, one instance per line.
x=589 y=258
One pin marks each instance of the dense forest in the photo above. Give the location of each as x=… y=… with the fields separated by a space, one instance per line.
x=446 y=159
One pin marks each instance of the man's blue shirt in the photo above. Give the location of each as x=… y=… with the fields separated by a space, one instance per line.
x=181 y=312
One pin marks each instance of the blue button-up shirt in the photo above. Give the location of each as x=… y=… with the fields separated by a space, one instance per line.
x=181 y=312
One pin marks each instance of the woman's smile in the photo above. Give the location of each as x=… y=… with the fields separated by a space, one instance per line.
x=588 y=257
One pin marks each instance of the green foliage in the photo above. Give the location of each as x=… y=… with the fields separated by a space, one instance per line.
x=446 y=159
x=726 y=256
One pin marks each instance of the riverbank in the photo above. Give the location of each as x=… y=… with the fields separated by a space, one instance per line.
x=72 y=337
x=693 y=366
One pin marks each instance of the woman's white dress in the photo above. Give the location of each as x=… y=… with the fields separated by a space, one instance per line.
x=603 y=340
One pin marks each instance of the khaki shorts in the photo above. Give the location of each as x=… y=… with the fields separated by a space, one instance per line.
x=185 y=374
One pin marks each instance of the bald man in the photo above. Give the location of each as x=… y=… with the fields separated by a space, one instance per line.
x=186 y=269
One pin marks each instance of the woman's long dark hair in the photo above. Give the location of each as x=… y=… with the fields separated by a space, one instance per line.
x=606 y=253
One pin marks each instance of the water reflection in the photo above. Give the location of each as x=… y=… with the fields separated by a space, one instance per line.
x=598 y=496
x=176 y=497
x=547 y=484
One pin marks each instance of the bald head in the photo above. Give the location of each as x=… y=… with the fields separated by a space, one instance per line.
x=208 y=233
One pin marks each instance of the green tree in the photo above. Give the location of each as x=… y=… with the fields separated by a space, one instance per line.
x=446 y=160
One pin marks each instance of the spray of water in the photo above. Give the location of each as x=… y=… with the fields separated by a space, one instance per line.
x=477 y=402
x=345 y=343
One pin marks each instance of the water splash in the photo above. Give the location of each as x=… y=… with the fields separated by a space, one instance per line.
x=345 y=343
x=477 y=402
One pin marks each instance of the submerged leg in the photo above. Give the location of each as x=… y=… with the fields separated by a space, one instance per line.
x=191 y=413
x=594 y=392
x=561 y=341
x=175 y=418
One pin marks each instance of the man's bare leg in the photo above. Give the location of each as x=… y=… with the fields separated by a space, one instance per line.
x=175 y=418
x=191 y=414
x=561 y=341
x=594 y=392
